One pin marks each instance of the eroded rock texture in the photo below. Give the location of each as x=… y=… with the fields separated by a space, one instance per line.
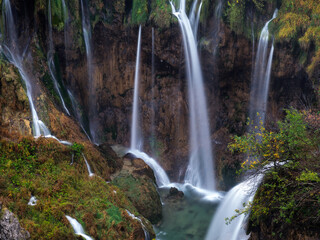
x=10 y=228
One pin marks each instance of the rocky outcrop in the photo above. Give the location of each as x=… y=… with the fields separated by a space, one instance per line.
x=10 y=228
x=137 y=180
x=14 y=104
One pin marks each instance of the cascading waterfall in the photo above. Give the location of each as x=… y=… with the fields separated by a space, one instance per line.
x=51 y=65
x=236 y=197
x=86 y=28
x=200 y=171
x=136 y=142
x=195 y=18
x=160 y=175
x=261 y=78
x=245 y=191
x=146 y=233
x=16 y=57
x=135 y=129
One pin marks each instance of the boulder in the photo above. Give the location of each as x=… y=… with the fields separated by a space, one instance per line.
x=10 y=228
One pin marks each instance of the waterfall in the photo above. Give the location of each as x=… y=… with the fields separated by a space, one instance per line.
x=146 y=233
x=88 y=166
x=245 y=191
x=235 y=198
x=216 y=27
x=261 y=78
x=12 y=51
x=135 y=133
x=77 y=113
x=195 y=18
x=161 y=176
x=200 y=171
x=51 y=65
x=18 y=58
x=77 y=228
x=86 y=28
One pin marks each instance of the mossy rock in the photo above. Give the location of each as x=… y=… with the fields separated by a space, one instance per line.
x=142 y=193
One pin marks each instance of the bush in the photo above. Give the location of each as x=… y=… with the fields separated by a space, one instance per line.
x=291 y=142
x=289 y=194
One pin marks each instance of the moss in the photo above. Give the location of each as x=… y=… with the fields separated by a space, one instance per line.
x=42 y=168
x=139 y=12
x=142 y=194
x=161 y=13
x=58 y=14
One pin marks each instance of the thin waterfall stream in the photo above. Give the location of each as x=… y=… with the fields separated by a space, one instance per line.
x=135 y=127
x=78 y=229
x=86 y=29
x=51 y=64
x=261 y=77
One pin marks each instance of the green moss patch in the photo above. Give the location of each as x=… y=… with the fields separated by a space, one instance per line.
x=42 y=168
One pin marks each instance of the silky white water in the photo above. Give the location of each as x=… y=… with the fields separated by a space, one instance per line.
x=245 y=191
x=16 y=56
x=50 y=58
x=261 y=78
x=33 y=201
x=200 y=171
x=88 y=166
x=161 y=176
x=235 y=198
x=135 y=127
x=146 y=233
x=194 y=18
x=78 y=229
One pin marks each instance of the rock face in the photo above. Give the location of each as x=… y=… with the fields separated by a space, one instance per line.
x=136 y=179
x=10 y=228
x=14 y=105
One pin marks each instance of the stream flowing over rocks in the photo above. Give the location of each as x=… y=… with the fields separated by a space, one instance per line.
x=146 y=119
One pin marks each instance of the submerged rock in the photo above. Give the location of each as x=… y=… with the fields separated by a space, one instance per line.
x=10 y=228
x=175 y=194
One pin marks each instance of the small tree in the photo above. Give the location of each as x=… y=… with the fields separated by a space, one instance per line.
x=290 y=143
